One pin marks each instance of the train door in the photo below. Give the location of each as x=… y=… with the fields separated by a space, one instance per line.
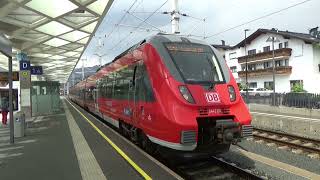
x=130 y=110
x=138 y=109
x=95 y=100
x=141 y=93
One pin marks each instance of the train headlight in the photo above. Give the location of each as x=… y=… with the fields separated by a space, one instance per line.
x=186 y=94
x=232 y=93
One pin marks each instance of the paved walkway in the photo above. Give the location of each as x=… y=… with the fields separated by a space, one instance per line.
x=46 y=152
x=73 y=145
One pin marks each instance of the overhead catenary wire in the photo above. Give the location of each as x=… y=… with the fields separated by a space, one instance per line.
x=114 y=27
x=196 y=26
x=139 y=25
x=145 y=12
x=145 y=21
x=121 y=19
x=165 y=12
x=187 y=15
x=106 y=36
x=138 y=38
x=123 y=24
x=140 y=3
x=256 y=19
x=142 y=28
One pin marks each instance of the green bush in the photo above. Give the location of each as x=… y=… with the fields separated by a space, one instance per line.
x=242 y=86
x=298 y=88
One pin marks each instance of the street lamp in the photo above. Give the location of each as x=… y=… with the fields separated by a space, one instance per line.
x=245 y=54
x=273 y=39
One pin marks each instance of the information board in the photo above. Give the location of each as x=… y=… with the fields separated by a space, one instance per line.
x=4 y=76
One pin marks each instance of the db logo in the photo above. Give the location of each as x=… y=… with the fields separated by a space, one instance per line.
x=212 y=97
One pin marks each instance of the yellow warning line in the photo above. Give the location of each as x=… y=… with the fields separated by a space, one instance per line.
x=133 y=164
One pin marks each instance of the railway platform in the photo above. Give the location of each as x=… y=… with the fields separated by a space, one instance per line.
x=72 y=144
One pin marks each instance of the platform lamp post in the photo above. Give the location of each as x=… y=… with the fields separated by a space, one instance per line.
x=83 y=68
x=273 y=39
x=245 y=54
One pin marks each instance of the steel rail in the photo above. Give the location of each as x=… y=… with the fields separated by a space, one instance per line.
x=289 y=143
x=212 y=168
x=242 y=172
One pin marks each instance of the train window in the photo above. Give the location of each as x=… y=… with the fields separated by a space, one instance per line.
x=119 y=83
x=195 y=62
x=105 y=86
x=143 y=89
x=99 y=87
x=110 y=85
x=118 y=88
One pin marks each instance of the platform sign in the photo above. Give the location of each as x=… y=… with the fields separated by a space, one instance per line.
x=4 y=76
x=36 y=70
x=24 y=65
x=25 y=75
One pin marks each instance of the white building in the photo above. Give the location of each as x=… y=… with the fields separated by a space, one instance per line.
x=297 y=60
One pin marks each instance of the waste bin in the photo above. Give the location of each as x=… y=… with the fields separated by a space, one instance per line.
x=19 y=124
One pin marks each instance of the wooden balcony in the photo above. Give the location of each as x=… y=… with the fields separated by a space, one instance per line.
x=278 y=53
x=262 y=72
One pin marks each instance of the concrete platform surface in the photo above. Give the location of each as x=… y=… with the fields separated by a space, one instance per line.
x=46 y=152
x=111 y=162
x=66 y=146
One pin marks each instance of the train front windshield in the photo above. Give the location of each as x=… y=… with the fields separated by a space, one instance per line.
x=196 y=63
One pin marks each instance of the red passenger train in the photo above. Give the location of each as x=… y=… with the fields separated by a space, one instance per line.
x=169 y=93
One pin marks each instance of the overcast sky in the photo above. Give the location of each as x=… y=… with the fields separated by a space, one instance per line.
x=219 y=14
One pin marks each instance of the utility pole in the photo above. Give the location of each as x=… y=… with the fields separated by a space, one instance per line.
x=175 y=17
x=100 y=58
x=83 y=69
x=273 y=39
x=10 y=101
x=273 y=74
x=245 y=53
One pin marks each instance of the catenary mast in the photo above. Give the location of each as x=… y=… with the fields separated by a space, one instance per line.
x=175 y=17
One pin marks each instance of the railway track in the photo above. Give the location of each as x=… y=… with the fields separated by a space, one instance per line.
x=213 y=168
x=286 y=141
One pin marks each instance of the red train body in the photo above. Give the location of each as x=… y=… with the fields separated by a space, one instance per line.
x=169 y=93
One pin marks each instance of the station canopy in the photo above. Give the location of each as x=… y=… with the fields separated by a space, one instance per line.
x=53 y=33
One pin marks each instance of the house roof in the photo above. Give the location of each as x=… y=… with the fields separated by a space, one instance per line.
x=287 y=34
x=220 y=46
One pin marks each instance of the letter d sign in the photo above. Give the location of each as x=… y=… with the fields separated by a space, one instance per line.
x=24 y=65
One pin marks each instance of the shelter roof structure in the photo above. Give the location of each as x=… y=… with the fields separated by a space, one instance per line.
x=53 y=33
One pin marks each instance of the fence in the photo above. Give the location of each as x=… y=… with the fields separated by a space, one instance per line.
x=299 y=100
